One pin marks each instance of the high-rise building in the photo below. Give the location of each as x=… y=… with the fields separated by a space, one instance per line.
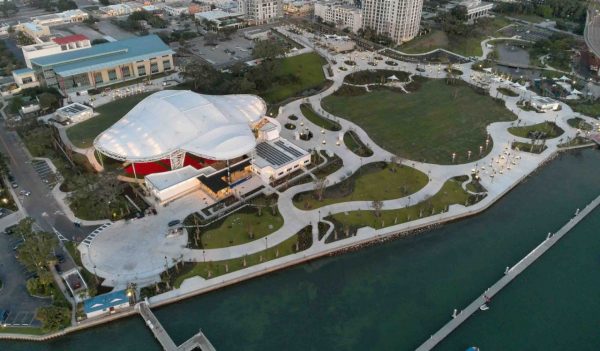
x=262 y=11
x=340 y=14
x=397 y=19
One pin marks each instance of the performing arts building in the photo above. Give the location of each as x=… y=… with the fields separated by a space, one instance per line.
x=179 y=141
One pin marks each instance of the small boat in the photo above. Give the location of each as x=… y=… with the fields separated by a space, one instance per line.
x=484 y=307
x=473 y=348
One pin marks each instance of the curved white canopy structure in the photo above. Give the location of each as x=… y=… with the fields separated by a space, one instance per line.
x=175 y=121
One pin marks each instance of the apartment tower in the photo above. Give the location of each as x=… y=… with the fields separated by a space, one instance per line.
x=397 y=19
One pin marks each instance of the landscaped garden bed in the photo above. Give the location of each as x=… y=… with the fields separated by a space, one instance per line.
x=545 y=130
x=319 y=120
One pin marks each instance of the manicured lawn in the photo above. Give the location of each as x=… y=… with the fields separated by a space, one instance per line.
x=428 y=124
x=22 y=330
x=376 y=181
x=451 y=193
x=507 y=92
x=307 y=68
x=375 y=76
x=550 y=130
x=536 y=148
x=353 y=142
x=468 y=45
x=235 y=229
x=84 y=133
x=591 y=109
x=579 y=123
x=211 y=269
x=319 y=120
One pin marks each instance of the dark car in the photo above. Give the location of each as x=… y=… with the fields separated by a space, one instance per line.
x=60 y=258
x=174 y=223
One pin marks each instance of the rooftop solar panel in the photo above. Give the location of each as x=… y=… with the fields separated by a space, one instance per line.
x=272 y=155
x=289 y=149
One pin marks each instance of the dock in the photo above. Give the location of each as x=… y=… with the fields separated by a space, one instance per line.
x=198 y=341
x=510 y=274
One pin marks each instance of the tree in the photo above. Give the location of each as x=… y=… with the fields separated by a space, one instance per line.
x=268 y=50
x=53 y=318
x=320 y=185
x=201 y=74
x=210 y=38
x=48 y=101
x=105 y=2
x=99 y=41
x=377 y=205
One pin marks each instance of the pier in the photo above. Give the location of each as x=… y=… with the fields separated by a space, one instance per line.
x=197 y=341
x=510 y=274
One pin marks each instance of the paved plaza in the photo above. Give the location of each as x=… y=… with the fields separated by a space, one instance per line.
x=139 y=250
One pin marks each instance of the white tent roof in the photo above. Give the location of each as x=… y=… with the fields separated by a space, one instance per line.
x=209 y=126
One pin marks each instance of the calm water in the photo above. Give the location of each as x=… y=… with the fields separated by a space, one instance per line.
x=393 y=296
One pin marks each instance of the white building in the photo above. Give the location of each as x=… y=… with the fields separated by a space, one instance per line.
x=340 y=14
x=476 y=9
x=221 y=19
x=55 y=46
x=398 y=19
x=277 y=158
x=65 y=17
x=117 y=10
x=73 y=113
x=262 y=11
x=543 y=103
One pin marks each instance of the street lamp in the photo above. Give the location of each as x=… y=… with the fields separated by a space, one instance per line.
x=453 y=156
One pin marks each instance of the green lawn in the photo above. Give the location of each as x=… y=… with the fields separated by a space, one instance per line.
x=591 y=109
x=375 y=181
x=579 y=123
x=536 y=148
x=235 y=229
x=211 y=269
x=507 y=92
x=22 y=330
x=468 y=45
x=84 y=133
x=451 y=193
x=353 y=142
x=308 y=68
x=550 y=130
x=319 y=120
x=429 y=124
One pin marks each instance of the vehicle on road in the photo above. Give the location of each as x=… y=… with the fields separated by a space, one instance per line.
x=15 y=185
x=174 y=223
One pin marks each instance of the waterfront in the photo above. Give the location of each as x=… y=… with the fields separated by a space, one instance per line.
x=390 y=296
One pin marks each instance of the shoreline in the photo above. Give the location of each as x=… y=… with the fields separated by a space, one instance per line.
x=341 y=248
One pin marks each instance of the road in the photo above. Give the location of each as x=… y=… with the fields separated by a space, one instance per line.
x=591 y=33
x=41 y=205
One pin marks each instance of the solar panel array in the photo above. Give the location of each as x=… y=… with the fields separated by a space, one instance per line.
x=272 y=154
x=289 y=149
x=73 y=109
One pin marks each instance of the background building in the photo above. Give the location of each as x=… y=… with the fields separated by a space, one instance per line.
x=104 y=64
x=340 y=14
x=262 y=11
x=397 y=19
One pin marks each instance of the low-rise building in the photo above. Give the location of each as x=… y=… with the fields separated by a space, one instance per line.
x=106 y=303
x=55 y=46
x=104 y=64
x=117 y=10
x=340 y=14
x=338 y=43
x=543 y=103
x=73 y=113
x=221 y=19
x=277 y=158
x=35 y=31
x=261 y=11
x=476 y=9
x=65 y=17
x=298 y=8
x=25 y=78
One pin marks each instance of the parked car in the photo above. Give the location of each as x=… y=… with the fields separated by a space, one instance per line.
x=14 y=185
x=60 y=258
x=174 y=223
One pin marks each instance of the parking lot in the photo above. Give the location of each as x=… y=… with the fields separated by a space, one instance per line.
x=13 y=295
x=225 y=53
x=44 y=171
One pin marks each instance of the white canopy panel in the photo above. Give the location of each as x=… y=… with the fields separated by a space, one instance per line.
x=209 y=126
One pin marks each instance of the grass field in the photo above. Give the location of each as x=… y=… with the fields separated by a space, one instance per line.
x=319 y=120
x=353 y=142
x=579 y=123
x=412 y=126
x=375 y=181
x=469 y=45
x=536 y=148
x=591 y=109
x=307 y=68
x=84 y=133
x=549 y=128
x=451 y=193
x=213 y=269
x=235 y=229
